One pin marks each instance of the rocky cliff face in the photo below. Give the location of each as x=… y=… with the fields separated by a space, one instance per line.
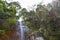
x=13 y=34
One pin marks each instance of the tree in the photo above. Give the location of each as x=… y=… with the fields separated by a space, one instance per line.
x=8 y=17
x=45 y=19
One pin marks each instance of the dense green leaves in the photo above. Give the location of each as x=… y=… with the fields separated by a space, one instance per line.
x=8 y=16
x=46 y=19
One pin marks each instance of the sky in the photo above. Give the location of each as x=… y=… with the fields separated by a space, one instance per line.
x=29 y=3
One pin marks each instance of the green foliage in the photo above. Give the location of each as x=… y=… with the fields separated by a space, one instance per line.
x=44 y=19
x=8 y=16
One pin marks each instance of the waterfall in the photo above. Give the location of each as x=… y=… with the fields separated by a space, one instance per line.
x=22 y=30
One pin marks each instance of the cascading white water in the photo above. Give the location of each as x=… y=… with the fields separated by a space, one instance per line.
x=22 y=30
